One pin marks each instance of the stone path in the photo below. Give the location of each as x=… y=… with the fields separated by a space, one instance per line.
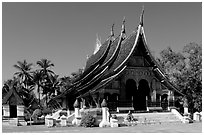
x=157 y=128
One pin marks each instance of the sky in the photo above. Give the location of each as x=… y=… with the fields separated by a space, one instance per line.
x=65 y=33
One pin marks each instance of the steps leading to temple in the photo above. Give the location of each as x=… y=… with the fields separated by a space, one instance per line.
x=152 y=118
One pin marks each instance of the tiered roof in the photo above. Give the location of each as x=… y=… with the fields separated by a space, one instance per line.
x=111 y=60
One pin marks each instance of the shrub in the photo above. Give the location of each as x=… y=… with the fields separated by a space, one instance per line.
x=37 y=113
x=46 y=111
x=87 y=120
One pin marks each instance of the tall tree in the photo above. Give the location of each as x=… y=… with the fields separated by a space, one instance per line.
x=54 y=85
x=24 y=73
x=46 y=72
x=37 y=78
x=193 y=85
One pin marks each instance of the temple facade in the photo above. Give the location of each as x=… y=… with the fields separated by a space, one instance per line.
x=123 y=71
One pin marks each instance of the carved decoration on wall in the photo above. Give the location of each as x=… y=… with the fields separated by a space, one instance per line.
x=138 y=72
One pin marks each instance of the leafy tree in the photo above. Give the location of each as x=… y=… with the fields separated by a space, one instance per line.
x=193 y=84
x=184 y=70
x=64 y=82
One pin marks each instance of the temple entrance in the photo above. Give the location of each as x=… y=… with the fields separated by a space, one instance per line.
x=164 y=101
x=13 y=106
x=140 y=95
x=130 y=89
x=13 y=111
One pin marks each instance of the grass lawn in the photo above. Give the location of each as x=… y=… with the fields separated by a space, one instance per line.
x=157 y=128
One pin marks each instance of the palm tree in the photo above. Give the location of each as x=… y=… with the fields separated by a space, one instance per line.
x=45 y=66
x=37 y=78
x=24 y=73
x=55 y=84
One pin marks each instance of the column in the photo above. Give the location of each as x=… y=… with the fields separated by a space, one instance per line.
x=146 y=101
x=160 y=100
x=154 y=96
x=168 y=100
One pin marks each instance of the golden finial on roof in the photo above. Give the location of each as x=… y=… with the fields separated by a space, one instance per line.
x=142 y=16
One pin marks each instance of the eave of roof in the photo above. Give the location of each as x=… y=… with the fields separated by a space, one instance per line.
x=87 y=75
x=89 y=85
x=103 y=83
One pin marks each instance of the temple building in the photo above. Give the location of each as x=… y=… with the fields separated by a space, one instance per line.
x=123 y=71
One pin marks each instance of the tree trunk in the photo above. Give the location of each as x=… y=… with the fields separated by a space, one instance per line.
x=38 y=93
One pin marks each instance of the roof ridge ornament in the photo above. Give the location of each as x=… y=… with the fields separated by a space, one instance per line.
x=112 y=32
x=98 y=44
x=123 y=28
x=142 y=16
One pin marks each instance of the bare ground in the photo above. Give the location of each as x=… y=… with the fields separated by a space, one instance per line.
x=156 y=128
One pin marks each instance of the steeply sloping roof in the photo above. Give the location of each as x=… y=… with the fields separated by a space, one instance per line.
x=115 y=62
x=11 y=92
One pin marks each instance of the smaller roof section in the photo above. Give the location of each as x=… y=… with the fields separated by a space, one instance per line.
x=13 y=98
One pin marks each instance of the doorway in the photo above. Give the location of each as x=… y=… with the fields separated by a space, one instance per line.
x=13 y=106
x=130 y=89
x=164 y=101
x=13 y=111
x=141 y=94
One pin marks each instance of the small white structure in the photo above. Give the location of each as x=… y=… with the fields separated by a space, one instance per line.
x=104 y=122
x=77 y=119
x=113 y=122
x=46 y=119
x=63 y=122
x=196 y=116
x=185 y=110
x=50 y=122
